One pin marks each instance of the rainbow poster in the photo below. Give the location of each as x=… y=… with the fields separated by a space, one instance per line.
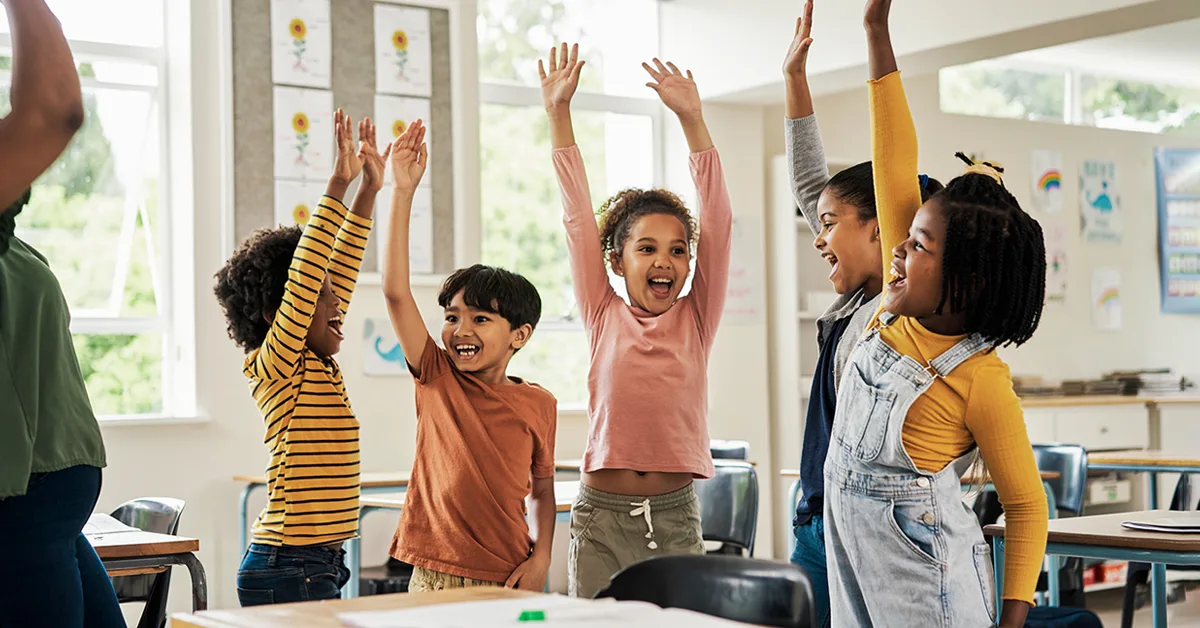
x=1047 y=180
x=1106 y=299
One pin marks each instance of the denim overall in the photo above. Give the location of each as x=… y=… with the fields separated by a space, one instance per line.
x=903 y=549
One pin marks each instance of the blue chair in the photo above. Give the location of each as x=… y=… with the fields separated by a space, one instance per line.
x=1069 y=488
x=729 y=449
x=148 y=514
x=729 y=506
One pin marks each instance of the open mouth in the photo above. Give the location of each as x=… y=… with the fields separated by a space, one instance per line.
x=898 y=278
x=660 y=287
x=335 y=325
x=466 y=350
x=833 y=263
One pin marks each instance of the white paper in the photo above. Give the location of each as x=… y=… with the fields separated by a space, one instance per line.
x=393 y=114
x=1056 y=262
x=1047 y=180
x=382 y=355
x=420 y=230
x=295 y=201
x=301 y=43
x=403 y=60
x=303 y=128
x=744 y=299
x=1100 y=201
x=560 y=612
x=100 y=523
x=1106 y=299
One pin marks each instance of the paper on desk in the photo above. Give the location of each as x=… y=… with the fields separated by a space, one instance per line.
x=1177 y=525
x=561 y=612
x=100 y=523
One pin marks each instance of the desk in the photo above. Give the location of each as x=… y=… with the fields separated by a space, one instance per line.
x=1148 y=461
x=564 y=497
x=1101 y=536
x=127 y=553
x=324 y=614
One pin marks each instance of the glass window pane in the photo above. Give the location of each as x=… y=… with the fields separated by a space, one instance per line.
x=614 y=36
x=558 y=361
x=985 y=89
x=135 y=23
x=123 y=373
x=1137 y=106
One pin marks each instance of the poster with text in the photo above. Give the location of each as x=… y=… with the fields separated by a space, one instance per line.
x=1106 y=299
x=301 y=43
x=295 y=201
x=303 y=128
x=1047 y=180
x=1177 y=171
x=744 y=296
x=1056 y=262
x=403 y=58
x=1099 y=201
x=393 y=114
x=420 y=230
x=382 y=355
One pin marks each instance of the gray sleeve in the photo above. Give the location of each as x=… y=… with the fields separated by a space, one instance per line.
x=807 y=166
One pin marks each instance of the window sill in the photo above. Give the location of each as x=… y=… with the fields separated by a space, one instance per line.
x=121 y=420
x=417 y=281
x=572 y=410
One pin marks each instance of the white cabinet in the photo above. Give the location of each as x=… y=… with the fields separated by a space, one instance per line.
x=1096 y=427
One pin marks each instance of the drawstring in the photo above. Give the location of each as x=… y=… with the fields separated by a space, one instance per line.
x=643 y=508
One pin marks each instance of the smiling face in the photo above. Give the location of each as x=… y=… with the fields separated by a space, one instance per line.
x=850 y=245
x=325 y=333
x=654 y=262
x=478 y=341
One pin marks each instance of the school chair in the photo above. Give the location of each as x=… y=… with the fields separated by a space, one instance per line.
x=729 y=449
x=729 y=506
x=148 y=514
x=1139 y=573
x=391 y=577
x=757 y=592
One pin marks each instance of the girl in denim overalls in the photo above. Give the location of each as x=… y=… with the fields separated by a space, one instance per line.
x=924 y=394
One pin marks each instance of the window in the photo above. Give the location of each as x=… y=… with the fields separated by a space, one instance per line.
x=986 y=89
x=616 y=126
x=98 y=213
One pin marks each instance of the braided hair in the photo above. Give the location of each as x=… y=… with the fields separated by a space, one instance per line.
x=994 y=265
x=618 y=214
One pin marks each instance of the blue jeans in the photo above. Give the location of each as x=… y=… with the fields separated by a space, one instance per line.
x=49 y=573
x=278 y=575
x=810 y=555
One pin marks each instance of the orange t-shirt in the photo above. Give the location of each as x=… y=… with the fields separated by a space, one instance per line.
x=478 y=445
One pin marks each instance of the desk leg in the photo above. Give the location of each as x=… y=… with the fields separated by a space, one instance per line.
x=1158 y=594
x=998 y=566
x=199 y=581
x=243 y=517
x=1153 y=490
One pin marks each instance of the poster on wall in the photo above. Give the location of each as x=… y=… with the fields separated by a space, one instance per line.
x=403 y=55
x=295 y=201
x=1177 y=174
x=303 y=128
x=744 y=300
x=1056 y=262
x=1047 y=180
x=1106 y=299
x=301 y=43
x=382 y=355
x=393 y=114
x=420 y=230
x=1099 y=201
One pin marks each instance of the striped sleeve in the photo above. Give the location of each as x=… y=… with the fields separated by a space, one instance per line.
x=347 y=257
x=280 y=354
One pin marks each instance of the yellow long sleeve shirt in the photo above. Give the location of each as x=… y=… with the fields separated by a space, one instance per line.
x=975 y=404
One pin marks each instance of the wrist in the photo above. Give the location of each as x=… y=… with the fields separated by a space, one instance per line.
x=557 y=109
x=877 y=30
x=795 y=77
x=690 y=118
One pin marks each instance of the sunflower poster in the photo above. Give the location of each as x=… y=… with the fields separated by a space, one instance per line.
x=403 y=60
x=420 y=230
x=1047 y=180
x=393 y=114
x=303 y=130
x=301 y=43
x=295 y=201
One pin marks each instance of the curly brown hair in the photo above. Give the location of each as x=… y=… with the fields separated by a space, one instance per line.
x=618 y=214
x=250 y=286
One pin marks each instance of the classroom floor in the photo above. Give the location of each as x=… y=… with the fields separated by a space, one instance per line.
x=1107 y=604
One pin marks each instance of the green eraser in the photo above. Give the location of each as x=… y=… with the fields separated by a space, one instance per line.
x=532 y=616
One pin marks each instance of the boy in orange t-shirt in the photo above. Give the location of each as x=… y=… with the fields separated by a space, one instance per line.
x=485 y=441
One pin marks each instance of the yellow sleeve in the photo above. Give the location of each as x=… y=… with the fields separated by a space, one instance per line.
x=347 y=258
x=997 y=422
x=894 y=163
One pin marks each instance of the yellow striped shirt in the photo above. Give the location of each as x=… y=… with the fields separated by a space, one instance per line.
x=311 y=431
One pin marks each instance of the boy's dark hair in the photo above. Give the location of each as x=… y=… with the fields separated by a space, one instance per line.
x=618 y=214
x=856 y=186
x=496 y=290
x=994 y=264
x=250 y=286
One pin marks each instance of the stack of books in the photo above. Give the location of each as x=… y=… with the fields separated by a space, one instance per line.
x=1149 y=381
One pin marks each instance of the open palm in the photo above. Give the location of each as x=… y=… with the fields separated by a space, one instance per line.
x=796 y=62
x=373 y=161
x=409 y=156
x=562 y=79
x=348 y=163
x=676 y=89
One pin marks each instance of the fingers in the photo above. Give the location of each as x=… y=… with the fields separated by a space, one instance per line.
x=689 y=73
x=553 y=59
x=808 y=13
x=387 y=152
x=574 y=53
x=674 y=70
x=423 y=156
x=562 y=57
x=541 y=70
x=799 y=25
x=513 y=579
x=661 y=68
x=658 y=76
x=575 y=70
x=804 y=45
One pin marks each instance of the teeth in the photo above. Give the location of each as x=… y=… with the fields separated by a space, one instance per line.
x=661 y=281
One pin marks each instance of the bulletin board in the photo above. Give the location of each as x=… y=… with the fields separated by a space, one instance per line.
x=1177 y=175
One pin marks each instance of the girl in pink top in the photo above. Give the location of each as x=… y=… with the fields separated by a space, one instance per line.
x=648 y=382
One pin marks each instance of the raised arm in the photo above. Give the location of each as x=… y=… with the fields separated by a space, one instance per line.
x=808 y=170
x=351 y=243
x=409 y=156
x=588 y=272
x=47 y=105
x=893 y=136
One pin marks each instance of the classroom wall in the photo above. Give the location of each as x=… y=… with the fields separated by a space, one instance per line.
x=1066 y=344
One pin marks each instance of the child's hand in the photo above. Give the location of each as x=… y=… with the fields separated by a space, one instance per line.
x=796 y=62
x=677 y=92
x=409 y=156
x=559 y=84
x=875 y=16
x=348 y=164
x=530 y=575
x=372 y=160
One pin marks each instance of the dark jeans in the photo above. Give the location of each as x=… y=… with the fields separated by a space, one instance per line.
x=49 y=573
x=810 y=555
x=277 y=575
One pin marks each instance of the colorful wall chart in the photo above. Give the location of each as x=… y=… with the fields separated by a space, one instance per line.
x=1177 y=174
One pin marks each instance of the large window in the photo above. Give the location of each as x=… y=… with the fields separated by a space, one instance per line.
x=616 y=126
x=96 y=214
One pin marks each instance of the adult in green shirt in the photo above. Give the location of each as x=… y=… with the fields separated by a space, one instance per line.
x=51 y=451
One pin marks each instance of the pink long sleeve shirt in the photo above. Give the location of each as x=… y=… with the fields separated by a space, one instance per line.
x=648 y=380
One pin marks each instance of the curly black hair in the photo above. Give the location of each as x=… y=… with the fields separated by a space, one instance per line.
x=994 y=266
x=618 y=214
x=250 y=286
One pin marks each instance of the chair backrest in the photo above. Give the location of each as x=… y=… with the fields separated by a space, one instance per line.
x=729 y=449
x=148 y=514
x=1071 y=463
x=729 y=504
x=758 y=592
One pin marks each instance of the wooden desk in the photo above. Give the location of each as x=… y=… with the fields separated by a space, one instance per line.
x=1101 y=536
x=1148 y=461
x=324 y=614
x=137 y=552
